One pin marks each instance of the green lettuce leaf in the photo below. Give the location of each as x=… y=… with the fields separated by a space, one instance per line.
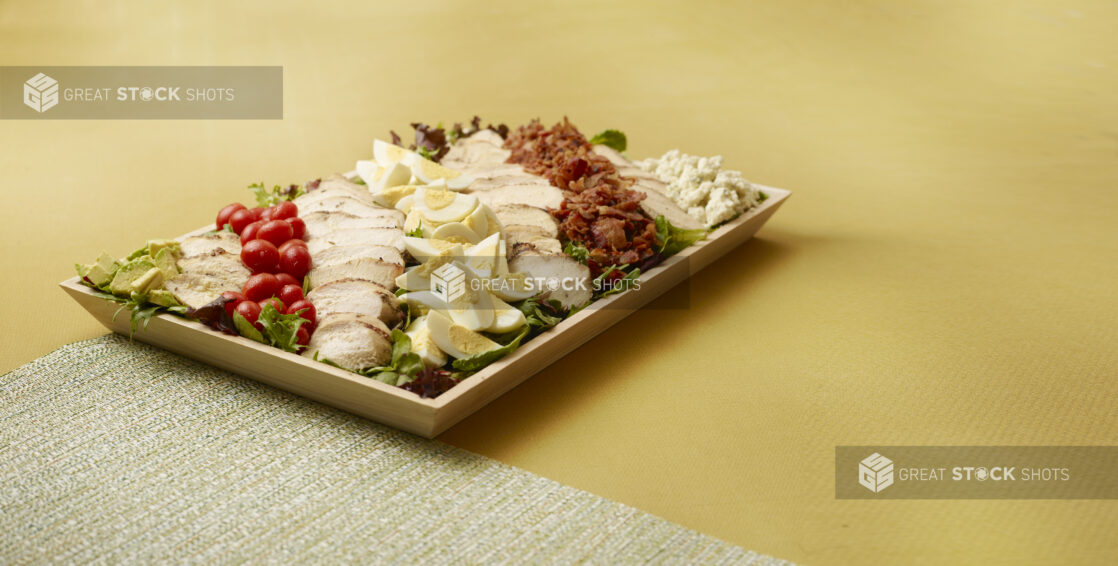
x=672 y=240
x=479 y=361
x=611 y=138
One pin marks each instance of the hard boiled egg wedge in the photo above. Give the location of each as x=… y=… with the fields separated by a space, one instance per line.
x=493 y=224
x=478 y=220
x=427 y=171
x=392 y=195
x=484 y=256
x=455 y=232
x=507 y=317
x=455 y=339
x=423 y=249
x=419 y=277
x=422 y=302
x=386 y=153
x=392 y=176
x=405 y=203
x=514 y=287
x=414 y=280
x=442 y=205
x=474 y=310
x=422 y=344
x=367 y=170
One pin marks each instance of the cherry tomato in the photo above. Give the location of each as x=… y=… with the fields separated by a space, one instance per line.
x=285 y=280
x=302 y=336
x=234 y=299
x=295 y=260
x=240 y=219
x=260 y=256
x=257 y=212
x=308 y=314
x=291 y=242
x=223 y=216
x=284 y=210
x=261 y=286
x=278 y=304
x=267 y=213
x=298 y=227
x=249 y=310
x=249 y=233
x=275 y=231
x=289 y=294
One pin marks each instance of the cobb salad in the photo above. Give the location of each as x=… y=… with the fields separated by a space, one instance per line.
x=433 y=259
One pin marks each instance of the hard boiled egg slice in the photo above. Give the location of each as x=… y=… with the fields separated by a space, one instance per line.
x=415 y=220
x=514 y=287
x=494 y=225
x=422 y=344
x=386 y=153
x=419 y=277
x=474 y=310
x=405 y=203
x=393 y=195
x=422 y=302
x=414 y=280
x=455 y=339
x=456 y=232
x=478 y=220
x=367 y=170
x=483 y=257
x=392 y=176
x=423 y=249
x=429 y=172
x=507 y=317
x=441 y=205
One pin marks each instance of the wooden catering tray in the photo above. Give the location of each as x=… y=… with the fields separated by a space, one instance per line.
x=402 y=409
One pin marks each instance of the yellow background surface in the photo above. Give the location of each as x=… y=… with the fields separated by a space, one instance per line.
x=944 y=273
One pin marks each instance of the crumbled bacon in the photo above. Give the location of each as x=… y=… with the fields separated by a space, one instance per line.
x=599 y=209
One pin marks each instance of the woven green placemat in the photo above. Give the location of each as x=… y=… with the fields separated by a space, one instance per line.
x=123 y=453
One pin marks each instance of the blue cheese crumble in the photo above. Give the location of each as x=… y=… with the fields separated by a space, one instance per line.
x=701 y=187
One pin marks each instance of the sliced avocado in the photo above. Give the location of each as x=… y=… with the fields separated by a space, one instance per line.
x=163 y=298
x=98 y=276
x=155 y=246
x=99 y=272
x=129 y=272
x=107 y=262
x=165 y=261
x=151 y=279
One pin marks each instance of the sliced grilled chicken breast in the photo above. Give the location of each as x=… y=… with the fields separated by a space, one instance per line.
x=379 y=272
x=513 y=215
x=353 y=341
x=206 y=243
x=372 y=237
x=554 y=267
x=203 y=278
x=357 y=297
x=516 y=235
x=543 y=196
x=320 y=223
x=355 y=247
x=341 y=254
x=348 y=205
